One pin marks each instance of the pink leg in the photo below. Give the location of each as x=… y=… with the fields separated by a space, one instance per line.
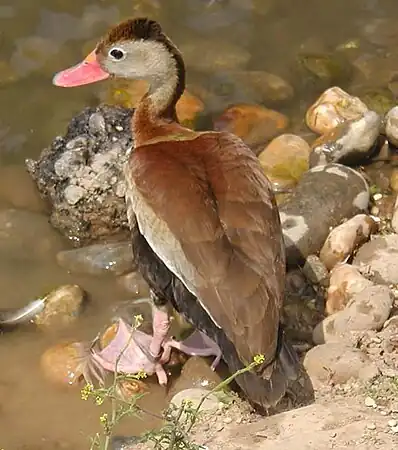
x=198 y=344
x=161 y=374
x=161 y=326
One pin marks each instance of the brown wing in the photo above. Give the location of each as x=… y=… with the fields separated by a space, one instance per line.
x=208 y=212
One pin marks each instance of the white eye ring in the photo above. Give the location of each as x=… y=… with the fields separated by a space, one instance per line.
x=117 y=53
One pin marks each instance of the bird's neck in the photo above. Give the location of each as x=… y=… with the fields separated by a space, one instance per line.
x=155 y=115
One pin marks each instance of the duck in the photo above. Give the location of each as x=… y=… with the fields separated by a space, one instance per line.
x=204 y=222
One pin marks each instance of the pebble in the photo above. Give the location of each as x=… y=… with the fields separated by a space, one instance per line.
x=371 y=426
x=323 y=197
x=315 y=271
x=392 y=423
x=254 y=124
x=353 y=142
x=344 y=239
x=97 y=259
x=369 y=402
x=285 y=159
x=367 y=310
x=338 y=363
x=380 y=257
x=333 y=108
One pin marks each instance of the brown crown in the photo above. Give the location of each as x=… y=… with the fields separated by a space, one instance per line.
x=132 y=29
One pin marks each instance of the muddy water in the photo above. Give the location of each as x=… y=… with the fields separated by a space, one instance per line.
x=41 y=37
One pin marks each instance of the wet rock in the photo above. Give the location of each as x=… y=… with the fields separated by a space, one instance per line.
x=367 y=310
x=63 y=307
x=28 y=235
x=393 y=181
x=60 y=363
x=352 y=142
x=215 y=55
x=380 y=258
x=345 y=282
x=315 y=271
x=195 y=395
x=324 y=196
x=379 y=100
x=254 y=124
x=338 y=363
x=333 y=108
x=391 y=121
x=97 y=259
x=344 y=239
x=80 y=175
x=134 y=283
x=285 y=159
x=18 y=189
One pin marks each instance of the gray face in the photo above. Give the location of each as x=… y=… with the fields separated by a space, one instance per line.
x=149 y=60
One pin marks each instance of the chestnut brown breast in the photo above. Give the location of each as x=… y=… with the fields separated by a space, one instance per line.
x=207 y=210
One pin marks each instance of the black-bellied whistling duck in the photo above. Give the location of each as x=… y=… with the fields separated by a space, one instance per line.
x=205 y=225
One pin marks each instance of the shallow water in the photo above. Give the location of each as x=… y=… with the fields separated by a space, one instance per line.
x=41 y=37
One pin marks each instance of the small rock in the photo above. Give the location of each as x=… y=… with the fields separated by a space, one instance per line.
x=134 y=283
x=338 y=363
x=352 y=142
x=369 y=402
x=63 y=307
x=394 y=430
x=380 y=257
x=367 y=310
x=97 y=259
x=371 y=426
x=74 y=194
x=333 y=108
x=393 y=182
x=391 y=126
x=315 y=271
x=254 y=124
x=344 y=239
x=345 y=282
x=323 y=197
x=285 y=159
x=392 y=423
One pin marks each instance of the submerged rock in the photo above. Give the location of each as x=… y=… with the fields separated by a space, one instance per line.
x=333 y=108
x=134 y=283
x=352 y=142
x=28 y=235
x=63 y=306
x=97 y=259
x=324 y=196
x=80 y=175
x=254 y=124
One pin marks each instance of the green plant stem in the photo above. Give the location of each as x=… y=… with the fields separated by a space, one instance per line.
x=220 y=386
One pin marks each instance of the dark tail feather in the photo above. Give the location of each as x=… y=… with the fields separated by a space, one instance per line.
x=266 y=388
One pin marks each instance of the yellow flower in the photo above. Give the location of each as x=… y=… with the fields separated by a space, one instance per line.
x=259 y=359
x=99 y=400
x=104 y=418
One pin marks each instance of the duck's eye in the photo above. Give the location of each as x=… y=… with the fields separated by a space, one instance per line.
x=117 y=53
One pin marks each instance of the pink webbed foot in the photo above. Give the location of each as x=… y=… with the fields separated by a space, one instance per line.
x=197 y=344
x=161 y=374
x=133 y=346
